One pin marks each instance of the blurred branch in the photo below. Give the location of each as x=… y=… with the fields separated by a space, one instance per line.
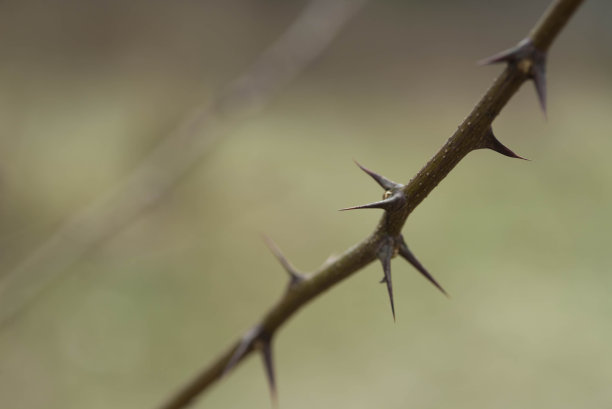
x=303 y=41
x=524 y=62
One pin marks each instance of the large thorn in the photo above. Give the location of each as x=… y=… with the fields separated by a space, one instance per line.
x=393 y=202
x=246 y=343
x=384 y=255
x=405 y=252
x=266 y=355
x=381 y=180
x=536 y=67
x=494 y=144
x=294 y=276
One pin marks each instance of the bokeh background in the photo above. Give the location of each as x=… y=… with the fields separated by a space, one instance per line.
x=88 y=88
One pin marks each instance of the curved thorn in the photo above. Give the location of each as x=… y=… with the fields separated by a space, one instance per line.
x=384 y=255
x=405 y=252
x=294 y=276
x=245 y=344
x=494 y=144
x=266 y=355
x=381 y=180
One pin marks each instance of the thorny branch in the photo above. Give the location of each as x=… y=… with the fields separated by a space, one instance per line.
x=303 y=41
x=526 y=61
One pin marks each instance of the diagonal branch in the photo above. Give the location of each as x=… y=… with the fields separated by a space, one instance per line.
x=303 y=41
x=474 y=133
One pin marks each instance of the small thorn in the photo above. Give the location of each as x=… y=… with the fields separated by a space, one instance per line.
x=405 y=252
x=504 y=56
x=381 y=180
x=384 y=255
x=294 y=276
x=266 y=355
x=394 y=202
x=494 y=144
x=522 y=50
x=241 y=350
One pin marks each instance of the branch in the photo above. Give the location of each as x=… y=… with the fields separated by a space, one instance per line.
x=303 y=41
x=524 y=62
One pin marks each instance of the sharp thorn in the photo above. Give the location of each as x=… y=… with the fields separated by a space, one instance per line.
x=504 y=56
x=385 y=253
x=394 y=202
x=243 y=347
x=408 y=256
x=381 y=180
x=383 y=204
x=294 y=276
x=494 y=144
x=266 y=355
x=524 y=49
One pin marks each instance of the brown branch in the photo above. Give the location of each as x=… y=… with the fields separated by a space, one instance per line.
x=303 y=41
x=525 y=61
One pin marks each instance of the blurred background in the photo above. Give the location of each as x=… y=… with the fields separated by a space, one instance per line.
x=87 y=89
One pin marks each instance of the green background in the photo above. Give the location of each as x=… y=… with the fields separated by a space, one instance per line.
x=523 y=248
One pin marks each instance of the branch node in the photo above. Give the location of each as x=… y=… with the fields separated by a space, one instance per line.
x=393 y=198
x=529 y=59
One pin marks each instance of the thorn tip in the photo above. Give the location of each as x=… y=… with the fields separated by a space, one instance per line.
x=385 y=253
x=266 y=354
x=381 y=180
x=495 y=145
x=294 y=276
x=405 y=252
x=393 y=202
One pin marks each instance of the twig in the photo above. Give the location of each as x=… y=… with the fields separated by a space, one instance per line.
x=305 y=39
x=525 y=61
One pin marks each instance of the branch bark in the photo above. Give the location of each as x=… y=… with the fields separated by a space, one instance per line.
x=525 y=61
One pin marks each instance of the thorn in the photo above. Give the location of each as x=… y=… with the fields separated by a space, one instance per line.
x=494 y=144
x=507 y=56
x=393 y=202
x=266 y=355
x=294 y=276
x=381 y=180
x=525 y=50
x=522 y=50
x=384 y=255
x=405 y=252
x=245 y=343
